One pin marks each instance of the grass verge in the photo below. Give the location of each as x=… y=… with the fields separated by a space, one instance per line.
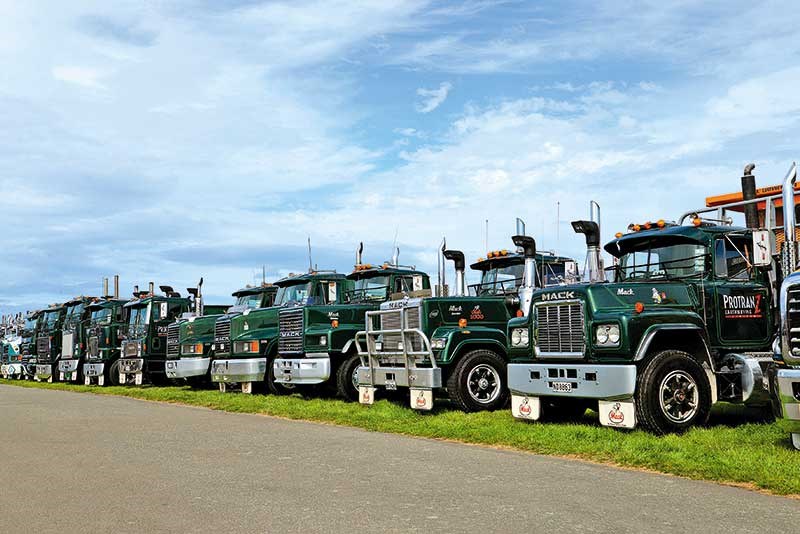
x=750 y=453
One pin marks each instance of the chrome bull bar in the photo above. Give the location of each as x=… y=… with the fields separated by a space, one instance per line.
x=400 y=367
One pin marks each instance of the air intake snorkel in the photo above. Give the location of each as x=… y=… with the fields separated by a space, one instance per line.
x=591 y=231
x=528 y=247
x=457 y=257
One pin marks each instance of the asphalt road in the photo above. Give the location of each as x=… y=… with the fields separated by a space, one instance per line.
x=82 y=463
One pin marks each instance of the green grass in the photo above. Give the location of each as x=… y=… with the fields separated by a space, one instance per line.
x=736 y=448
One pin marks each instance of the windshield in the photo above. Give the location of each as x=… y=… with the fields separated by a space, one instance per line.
x=501 y=280
x=293 y=294
x=368 y=289
x=250 y=301
x=553 y=274
x=51 y=317
x=74 y=314
x=30 y=324
x=138 y=320
x=101 y=316
x=648 y=261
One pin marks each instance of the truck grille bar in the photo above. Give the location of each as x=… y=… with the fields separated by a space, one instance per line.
x=94 y=346
x=560 y=330
x=393 y=341
x=222 y=336
x=290 y=324
x=43 y=347
x=793 y=324
x=173 y=340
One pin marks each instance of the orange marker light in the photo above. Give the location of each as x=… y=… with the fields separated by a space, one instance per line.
x=462 y=323
x=638 y=307
x=697 y=221
x=335 y=323
x=648 y=225
x=489 y=254
x=198 y=348
x=618 y=235
x=253 y=346
x=520 y=313
x=636 y=227
x=661 y=223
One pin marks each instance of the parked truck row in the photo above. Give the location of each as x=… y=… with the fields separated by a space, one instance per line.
x=692 y=312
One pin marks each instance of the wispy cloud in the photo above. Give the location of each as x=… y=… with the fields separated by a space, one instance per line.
x=83 y=76
x=432 y=98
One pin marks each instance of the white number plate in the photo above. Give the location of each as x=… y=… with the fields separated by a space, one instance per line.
x=391 y=385
x=563 y=387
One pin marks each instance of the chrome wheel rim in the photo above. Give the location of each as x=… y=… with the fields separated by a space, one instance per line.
x=483 y=383
x=354 y=378
x=679 y=397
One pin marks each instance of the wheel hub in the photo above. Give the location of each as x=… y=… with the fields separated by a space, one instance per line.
x=483 y=383
x=679 y=397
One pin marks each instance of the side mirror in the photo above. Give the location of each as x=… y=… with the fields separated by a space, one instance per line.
x=163 y=310
x=762 y=248
x=331 y=292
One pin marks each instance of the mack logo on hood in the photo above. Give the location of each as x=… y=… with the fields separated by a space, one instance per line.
x=454 y=309
x=559 y=295
x=333 y=315
x=284 y=333
x=622 y=292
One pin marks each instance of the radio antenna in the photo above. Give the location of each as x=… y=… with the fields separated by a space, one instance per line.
x=310 y=263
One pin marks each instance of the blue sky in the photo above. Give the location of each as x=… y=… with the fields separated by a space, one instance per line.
x=176 y=139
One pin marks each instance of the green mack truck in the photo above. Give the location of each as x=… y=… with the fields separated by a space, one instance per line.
x=190 y=339
x=317 y=341
x=73 y=339
x=104 y=333
x=688 y=321
x=144 y=347
x=785 y=375
x=455 y=345
x=48 y=342
x=11 y=334
x=246 y=343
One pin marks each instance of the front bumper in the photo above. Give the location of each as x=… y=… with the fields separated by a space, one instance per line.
x=44 y=371
x=245 y=370
x=68 y=369
x=587 y=381
x=187 y=367
x=315 y=368
x=394 y=377
x=130 y=366
x=93 y=369
x=788 y=392
x=12 y=369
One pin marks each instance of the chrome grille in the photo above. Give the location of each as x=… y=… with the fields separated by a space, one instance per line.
x=94 y=346
x=131 y=349
x=290 y=339
x=222 y=336
x=793 y=324
x=66 y=344
x=173 y=340
x=560 y=330
x=391 y=321
x=43 y=346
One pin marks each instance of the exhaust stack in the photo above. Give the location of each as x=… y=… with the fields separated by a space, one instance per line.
x=441 y=266
x=591 y=230
x=457 y=257
x=136 y=291
x=198 y=301
x=152 y=288
x=789 y=248
x=396 y=257
x=528 y=246
x=749 y=193
x=105 y=287
x=116 y=286
x=359 y=252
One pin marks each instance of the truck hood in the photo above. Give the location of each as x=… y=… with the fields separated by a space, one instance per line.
x=624 y=296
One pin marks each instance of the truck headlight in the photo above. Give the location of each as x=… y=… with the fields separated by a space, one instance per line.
x=519 y=337
x=323 y=340
x=438 y=343
x=607 y=335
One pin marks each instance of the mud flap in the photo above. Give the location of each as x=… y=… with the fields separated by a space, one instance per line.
x=526 y=407
x=618 y=414
x=123 y=379
x=138 y=379
x=366 y=394
x=87 y=380
x=223 y=387
x=422 y=399
x=247 y=387
x=101 y=380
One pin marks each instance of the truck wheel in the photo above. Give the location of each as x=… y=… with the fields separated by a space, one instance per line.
x=478 y=382
x=276 y=388
x=113 y=374
x=672 y=393
x=347 y=378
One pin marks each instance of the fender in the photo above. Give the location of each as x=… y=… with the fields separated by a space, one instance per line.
x=651 y=333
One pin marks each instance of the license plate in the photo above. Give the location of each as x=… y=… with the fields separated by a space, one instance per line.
x=391 y=385
x=562 y=387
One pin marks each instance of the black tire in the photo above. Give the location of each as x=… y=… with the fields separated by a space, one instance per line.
x=276 y=388
x=113 y=374
x=473 y=367
x=346 y=381
x=565 y=408
x=673 y=393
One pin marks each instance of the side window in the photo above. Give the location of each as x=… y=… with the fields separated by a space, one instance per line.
x=732 y=258
x=403 y=284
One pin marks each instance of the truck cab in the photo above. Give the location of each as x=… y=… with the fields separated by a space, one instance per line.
x=190 y=341
x=454 y=345
x=48 y=342
x=317 y=341
x=107 y=322
x=28 y=345
x=15 y=332
x=246 y=343
x=144 y=347
x=73 y=339
x=687 y=321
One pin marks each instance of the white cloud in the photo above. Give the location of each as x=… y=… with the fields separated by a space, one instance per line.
x=83 y=76
x=432 y=98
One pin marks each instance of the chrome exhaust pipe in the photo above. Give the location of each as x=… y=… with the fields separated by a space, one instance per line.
x=528 y=246
x=396 y=257
x=457 y=257
x=359 y=252
x=789 y=248
x=105 y=287
x=441 y=288
x=116 y=286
